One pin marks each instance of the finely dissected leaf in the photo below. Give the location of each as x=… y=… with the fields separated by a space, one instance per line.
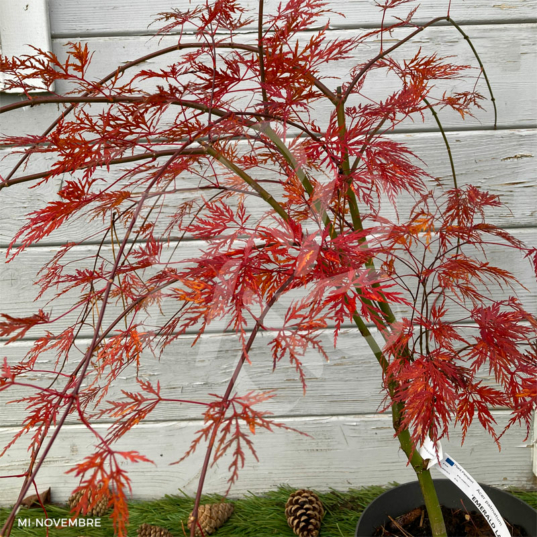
x=75 y=195
x=224 y=428
x=17 y=327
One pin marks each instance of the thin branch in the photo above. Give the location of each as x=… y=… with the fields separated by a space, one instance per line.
x=248 y=180
x=443 y=132
x=384 y=53
x=321 y=87
x=151 y=155
x=227 y=395
x=120 y=70
x=469 y=41
x=84 y=364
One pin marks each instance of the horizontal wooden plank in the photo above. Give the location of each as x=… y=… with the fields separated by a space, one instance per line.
x=501 y=162
x=100 y=17
x=18 y=291
x=350 y=383
x=509 y=53
x=347 y=451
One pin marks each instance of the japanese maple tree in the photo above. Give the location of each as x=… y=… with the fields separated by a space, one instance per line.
x=233 y=124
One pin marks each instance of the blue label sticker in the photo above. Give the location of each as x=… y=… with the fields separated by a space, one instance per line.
x=449 y=461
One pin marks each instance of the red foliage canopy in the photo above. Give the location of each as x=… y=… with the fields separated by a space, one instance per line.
x=232 y=144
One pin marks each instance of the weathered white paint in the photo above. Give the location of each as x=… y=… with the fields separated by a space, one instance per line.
x=509 y=53
x=501 y=162
x=24 y=24
x=71 y=18
x=350 y=383
x=16 y=283
x=343 y=452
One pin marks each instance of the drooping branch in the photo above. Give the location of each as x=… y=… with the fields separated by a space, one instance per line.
x=389 y=50
x=84 y=364
x=446 y=142
x=120 y=70
x=227 y=395
x=112 y=99
x=483 y=70
x=385 y=53
x=151 y=155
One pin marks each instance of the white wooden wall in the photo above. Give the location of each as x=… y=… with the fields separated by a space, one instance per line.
x=352 y=444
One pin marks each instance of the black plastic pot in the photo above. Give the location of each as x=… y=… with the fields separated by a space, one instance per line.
x=404 y=498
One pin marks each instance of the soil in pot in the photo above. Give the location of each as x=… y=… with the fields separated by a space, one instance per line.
x=459 y=523
x=406 y=498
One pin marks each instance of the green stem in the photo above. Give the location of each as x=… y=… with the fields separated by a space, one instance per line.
x=266 y=129
x=450 y=155
x=436 y=519
x=267 y=196
x=443 y=132
x=403 y=435
x=308 y=187
x=353 y=202
x=418 y=464
x=468 y=40
x=423 y=475
x=373 y=345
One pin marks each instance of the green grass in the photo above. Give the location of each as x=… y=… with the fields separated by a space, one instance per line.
x=259 y=516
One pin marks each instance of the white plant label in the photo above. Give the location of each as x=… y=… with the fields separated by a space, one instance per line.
x=460 y=477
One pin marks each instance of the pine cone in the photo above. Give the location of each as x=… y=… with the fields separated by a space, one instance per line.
x=99 y=509
x=146 y=530
x=304 y=512
x=211 y=516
